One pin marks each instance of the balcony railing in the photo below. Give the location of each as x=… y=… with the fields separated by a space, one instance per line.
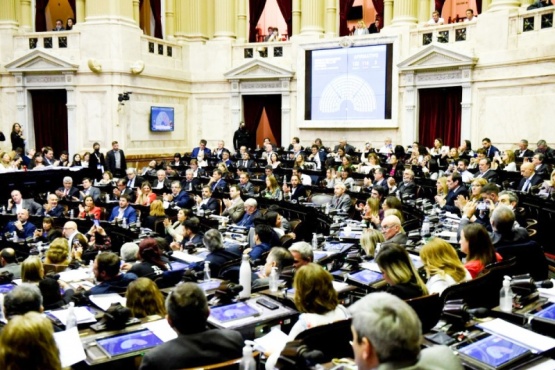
x=447 y=34
x=268 y=50
x=533 y=20
x=47 y=40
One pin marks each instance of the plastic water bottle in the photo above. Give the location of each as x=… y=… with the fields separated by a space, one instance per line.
x=425 y=231
x=506 y=296
x=274 y=280
x=206 y=270
x=71 y=320
x=71 y=213
x=245 y=276
x=314 y=241
x=377 y=250
x=247 y=362
x=124 y=223
x=327 y=209
x=107 y=198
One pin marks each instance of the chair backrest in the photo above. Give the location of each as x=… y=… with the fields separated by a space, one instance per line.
x=332 y=339
x=482 y=291
x=286 y=241
x=428 y=308
x=169 y=278
x=530 y=259
x=230 y=271
x=225 y=365
x=51 y=267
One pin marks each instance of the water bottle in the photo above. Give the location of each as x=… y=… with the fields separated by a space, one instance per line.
x=138 y=223
x=425 y=231
x=90 y=272
x=107 y=198
x=274 y=280
x=247 y=362
x=377 y=250
x=124 y=223
x=71 y=213
x=245 y=276
x=71 y=320
x=506 y=296
x=206 y=270
x=3 y=210
x=327 y=209
x=314 y=241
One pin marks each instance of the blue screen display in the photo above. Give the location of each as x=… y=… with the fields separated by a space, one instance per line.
x=131 y=342
x=161 y=119
x=494 y=351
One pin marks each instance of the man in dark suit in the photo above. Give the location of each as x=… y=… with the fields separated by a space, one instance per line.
x=161 y=181
x=407 y=188
x=246 y=161
x=542 y=170
x=52 y=208
x=89 y=190
x=251 y=211
x=219 y=150
x=218 y=255
x=124 y=210
x=201 y=149
x=115 y=160
x=22 y=228
x=178 y=196
x=529 y=178
x=133 y=180
x=97 y=161
x=195 y=345
x=374 y=27
x=456 y=188
x=216 y=183
x=16 y=202
x=190 y=183
x=340 y=201
x=296 y=190
x=317 y=156
x=485 y=171
x=68 y=191
x=523 y=151
x=349 y=149
x=122 y=189
x=544 y=149
x=246 y=186
x=206 y=202
x=490 y=149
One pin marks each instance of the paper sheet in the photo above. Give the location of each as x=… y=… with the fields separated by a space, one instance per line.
x=74 y=275
x=161 y=329
x=517 y=334
x=103 y=301
x=70 y=346
x=372 y=266
x=272 y=341
x=83 y=315
x=183 y=256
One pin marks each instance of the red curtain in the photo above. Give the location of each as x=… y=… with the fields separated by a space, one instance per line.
x=256 y=7
x=253 y=106
x=40 y=15
x=157 y=11
x=286 y=7
x=378 y=7
x=439 y=5
x=344 y=7
x=50 y=116
x=440 y=115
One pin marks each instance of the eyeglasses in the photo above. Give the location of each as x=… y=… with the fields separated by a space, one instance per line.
x=387 y=227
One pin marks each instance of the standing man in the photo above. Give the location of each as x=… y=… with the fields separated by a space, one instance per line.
x=97 y=161
x=241 y=137
x=115 y=160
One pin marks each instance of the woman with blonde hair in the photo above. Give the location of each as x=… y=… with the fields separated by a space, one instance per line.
x=32 y=270
x=475 y=193
x=27 y=342
x=157 y=213
x=145 y=299
x=547 y=188
x=399 y=272
x=58 y=252
x=371 y=211
x=272 y=191
x=369 y=241
x=443 y=266
x=441 y=187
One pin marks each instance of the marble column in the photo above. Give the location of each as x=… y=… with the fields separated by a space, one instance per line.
x=80 y=11
x=312 y=18
x=193 y=16
x=241 y=25
x=296 y=15
x=170 y=20
x=137 y=11
x=102 y=11
x=526 y=2
x=331 y=19
x=26 y=16
x=224 y=20
x=387 y=12
x=8 y=17
x=405 y=12
x=424 y=12
x=503 y=5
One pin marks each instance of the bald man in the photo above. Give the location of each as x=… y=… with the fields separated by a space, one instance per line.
x=22 y=228
x=393 y=231
x=529 y=177
x=70 y=232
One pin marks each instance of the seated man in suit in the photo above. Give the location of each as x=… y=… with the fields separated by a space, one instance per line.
x=8 y=262
x=191 y=234
x=107 y=273
x=246 y=161
x=124 y=210
x=387 y=334
x=247 y=188
x=219 y=151
x=234 y=207
x=16 y=203
x=216 y=183
x=206 y=202
x=407 y=188
x=456 y=188
x=218 y=255
x=340 y=201
x=178 y=196
x=68 y=191
x=161 y=182
x=133 y=180
x=52 y=208
x=278 y=258
x=485 y=171
x=88 y=189
x=122 y=189
x=296 y=190
x=505 y=230
x=251 y=211
x=542 y=170
x=195 y=345
x=317 y=156
x=490 y=149
x=391 y=230
x=349 y=149
x=529 y=177
x=262 y=238
x=21 y=227
x=201 y=151
x=523 y=151
x=191 y=182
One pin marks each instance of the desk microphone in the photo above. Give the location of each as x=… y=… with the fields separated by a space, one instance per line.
x=544 y=284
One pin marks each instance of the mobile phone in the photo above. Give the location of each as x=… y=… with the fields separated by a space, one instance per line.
x=96 y=223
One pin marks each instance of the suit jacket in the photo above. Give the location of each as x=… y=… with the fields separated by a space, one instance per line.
x=194 y=350
x=195 y=152
x=167 y=184
x=111 y=161
x=248 y=220
x=247 y=189
x=431 y=358
x=349 y=149
x=218 y=152
x=212 y=204
x=534 y=180
x=127 y=191
x=300 y=191
x=73 y=192
x=182 y=199
x=343 y=203
x=407 y=190
x=217 y=259
x=490 y=153
x=129 y=213
x=247 y=164
x=382 y=183
x=399 y=238
x=543 y=171
x=527 y=153
x=135 y=182
x=219 y=186
x=452 y=196
x=27 y=231
x=94 y=161
x=93 y=192
x=236 y=211
x=57 y=211
x=489 y=175
x=29 y=204
x=190 y=185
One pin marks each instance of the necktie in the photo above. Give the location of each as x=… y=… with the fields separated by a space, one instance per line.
x=526 y=186
x=65 y=192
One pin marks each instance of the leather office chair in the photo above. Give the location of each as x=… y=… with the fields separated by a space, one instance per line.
x=530 y=259
x=332 y=339
x=428 y=308
x=482 y=291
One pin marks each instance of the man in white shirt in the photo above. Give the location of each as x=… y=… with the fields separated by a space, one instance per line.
x=388 y=146
x=462 y=168
x=436 y=20
x=470 y=17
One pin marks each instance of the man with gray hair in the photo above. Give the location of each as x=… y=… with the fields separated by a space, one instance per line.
x=68 y=191
x=195 y=345
x=251 y=211
x=24 y=298
x=505 y=230
x=128 y=252
x=218 y=255
x=340 y=201
x=387 y=334
x=392 y=231
x=302 y=254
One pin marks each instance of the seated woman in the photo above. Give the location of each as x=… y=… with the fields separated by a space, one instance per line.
x=346 y=163
x=89 y=210
x=547 y=189
x=346 y=178
x=151 y=261
x=372 y=164
x=475 y=193
x=145 y=196
x=157 y=213
x=107 y=178
x=299 y=162
x=370 y=212
x=399 y=272
x=443 y=266
x=369 y=241
x=441 y=189
x=32 y=270
x=274 y=160
x=175 y=230
x=272 y=191
x=86 y=159
x=58 y=252
x=177 y=162
x=476 y=244
x=330 y=178
x=317 y=301
x=218 y=255
x=48 y=233
x=145 y=299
